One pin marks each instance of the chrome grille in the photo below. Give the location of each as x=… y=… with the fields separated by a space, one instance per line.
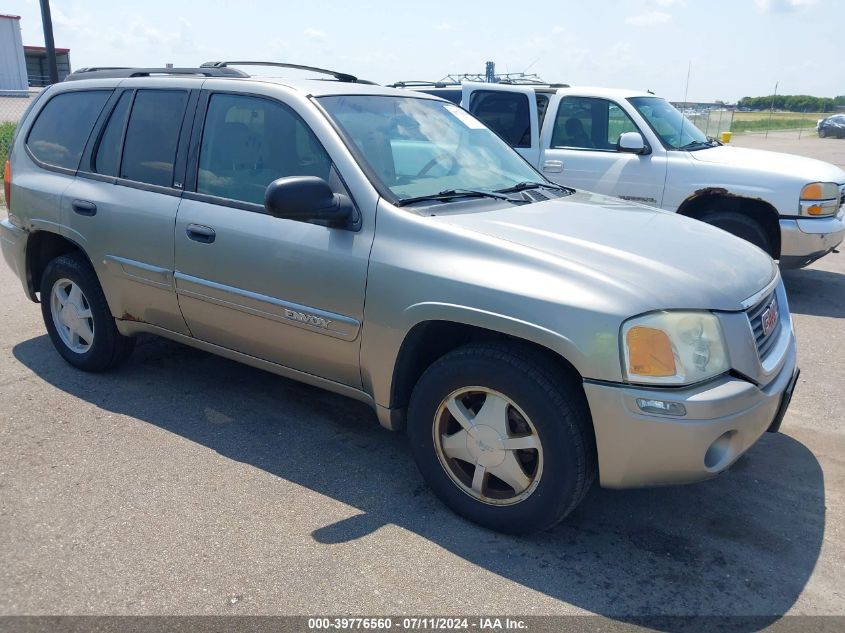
x=755 y=316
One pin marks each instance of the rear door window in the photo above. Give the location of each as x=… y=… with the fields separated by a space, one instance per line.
x=62 y=128
x=248 y=142
x=107 y=160
x=152 y=136
x=506 y=113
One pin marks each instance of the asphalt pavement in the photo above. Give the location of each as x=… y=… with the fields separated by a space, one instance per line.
x=184 y=483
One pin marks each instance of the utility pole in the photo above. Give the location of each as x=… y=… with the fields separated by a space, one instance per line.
x=772 y=110
x=49 y=44
x=490 y=73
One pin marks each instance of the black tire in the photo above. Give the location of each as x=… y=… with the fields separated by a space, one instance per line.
x=822 y=133
x=109 y=347
x=554 y=402
x=742 y=226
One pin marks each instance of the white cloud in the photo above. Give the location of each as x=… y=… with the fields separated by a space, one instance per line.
x=443 y=26
x=558 y=29
x=314 y=34
x=671 y=3
x=64 y=20
x=783 y=6
x=649 y=18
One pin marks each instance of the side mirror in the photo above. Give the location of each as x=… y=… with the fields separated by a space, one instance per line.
x=632 y=142
x=307 y=199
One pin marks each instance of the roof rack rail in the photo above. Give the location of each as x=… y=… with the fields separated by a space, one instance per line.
x=337 y=75
x=415 y=84
x=116 y=72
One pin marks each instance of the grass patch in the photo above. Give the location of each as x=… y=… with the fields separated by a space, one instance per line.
x=7 y=131
x=761 y=121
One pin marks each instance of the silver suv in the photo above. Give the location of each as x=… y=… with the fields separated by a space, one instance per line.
x=387 y=246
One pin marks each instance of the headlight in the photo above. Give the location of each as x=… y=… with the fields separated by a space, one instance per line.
x=673 y=348
x=819 y=198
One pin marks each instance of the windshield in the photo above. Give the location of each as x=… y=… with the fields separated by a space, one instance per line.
x=420 y=147
x=674 y=129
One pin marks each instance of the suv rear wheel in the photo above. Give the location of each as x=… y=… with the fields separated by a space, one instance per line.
x=503 y=437
x=78 y=318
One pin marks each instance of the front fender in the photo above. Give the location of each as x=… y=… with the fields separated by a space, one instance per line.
x=381 y=345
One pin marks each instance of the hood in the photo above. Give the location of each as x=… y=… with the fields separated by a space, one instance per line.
x=659 y=260
x=798 y=167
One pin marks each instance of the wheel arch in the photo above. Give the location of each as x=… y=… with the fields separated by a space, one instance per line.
x=429 y=340
x=42 y=247
x=717 y=198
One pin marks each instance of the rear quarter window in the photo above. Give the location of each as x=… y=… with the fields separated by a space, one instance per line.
x=507 y=114
x=59 y=134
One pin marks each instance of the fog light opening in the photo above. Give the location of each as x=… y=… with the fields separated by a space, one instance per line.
x=721 y=452
x=661 y=407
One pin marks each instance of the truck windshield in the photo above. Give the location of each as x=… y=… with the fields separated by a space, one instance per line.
x=418 y=148
x=674 y=129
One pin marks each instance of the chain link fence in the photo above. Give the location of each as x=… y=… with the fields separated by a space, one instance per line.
x=11 y=110
x=711 y=122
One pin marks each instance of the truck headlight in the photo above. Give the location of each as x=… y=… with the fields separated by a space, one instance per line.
x=819 y=198
x=673 y=348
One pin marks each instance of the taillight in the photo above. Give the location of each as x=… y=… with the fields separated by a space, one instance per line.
x=7 y=183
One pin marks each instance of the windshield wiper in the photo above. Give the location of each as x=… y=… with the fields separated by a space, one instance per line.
x=522 y=186
x=449 y=194
x=693 y=145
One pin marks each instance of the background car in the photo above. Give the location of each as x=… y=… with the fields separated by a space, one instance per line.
x=832 y=126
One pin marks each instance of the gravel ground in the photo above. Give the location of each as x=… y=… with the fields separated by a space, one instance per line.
x=188 y=484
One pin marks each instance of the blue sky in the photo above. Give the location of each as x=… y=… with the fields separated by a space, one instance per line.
x=737 y=48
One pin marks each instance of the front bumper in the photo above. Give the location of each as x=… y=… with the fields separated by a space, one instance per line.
x=804 y=240
x=724 y=419
x=13 y=245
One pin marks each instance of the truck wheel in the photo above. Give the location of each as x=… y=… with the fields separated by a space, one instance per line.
x=503 y=437
x=740 y=225
x=78 y=318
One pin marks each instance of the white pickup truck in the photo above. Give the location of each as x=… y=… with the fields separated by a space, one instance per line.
x=637 y=146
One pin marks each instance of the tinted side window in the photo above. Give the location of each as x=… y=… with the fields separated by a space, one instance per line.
x=248 y=142
x=63 y=126
x=542 y=106
x=453 y=95
x=574 y=123
x=506 y=113
x=152 y=136
x=590 y=123
x=107 y=160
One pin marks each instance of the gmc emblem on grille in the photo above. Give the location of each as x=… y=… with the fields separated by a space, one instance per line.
x=770 y=318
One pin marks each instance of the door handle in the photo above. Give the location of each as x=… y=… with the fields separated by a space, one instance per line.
x=200 y=233
x=83 y=207
x=553 y=166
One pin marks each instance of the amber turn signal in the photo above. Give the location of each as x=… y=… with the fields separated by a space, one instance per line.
x=650 y=352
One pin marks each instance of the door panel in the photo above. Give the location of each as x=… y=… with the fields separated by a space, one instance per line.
x=284 y=291
x=510 y=111
x=579 y=151
x=130 y=242
x=124 y=203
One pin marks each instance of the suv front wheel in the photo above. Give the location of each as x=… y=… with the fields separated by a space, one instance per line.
x=78 y=318
x=503 y=436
